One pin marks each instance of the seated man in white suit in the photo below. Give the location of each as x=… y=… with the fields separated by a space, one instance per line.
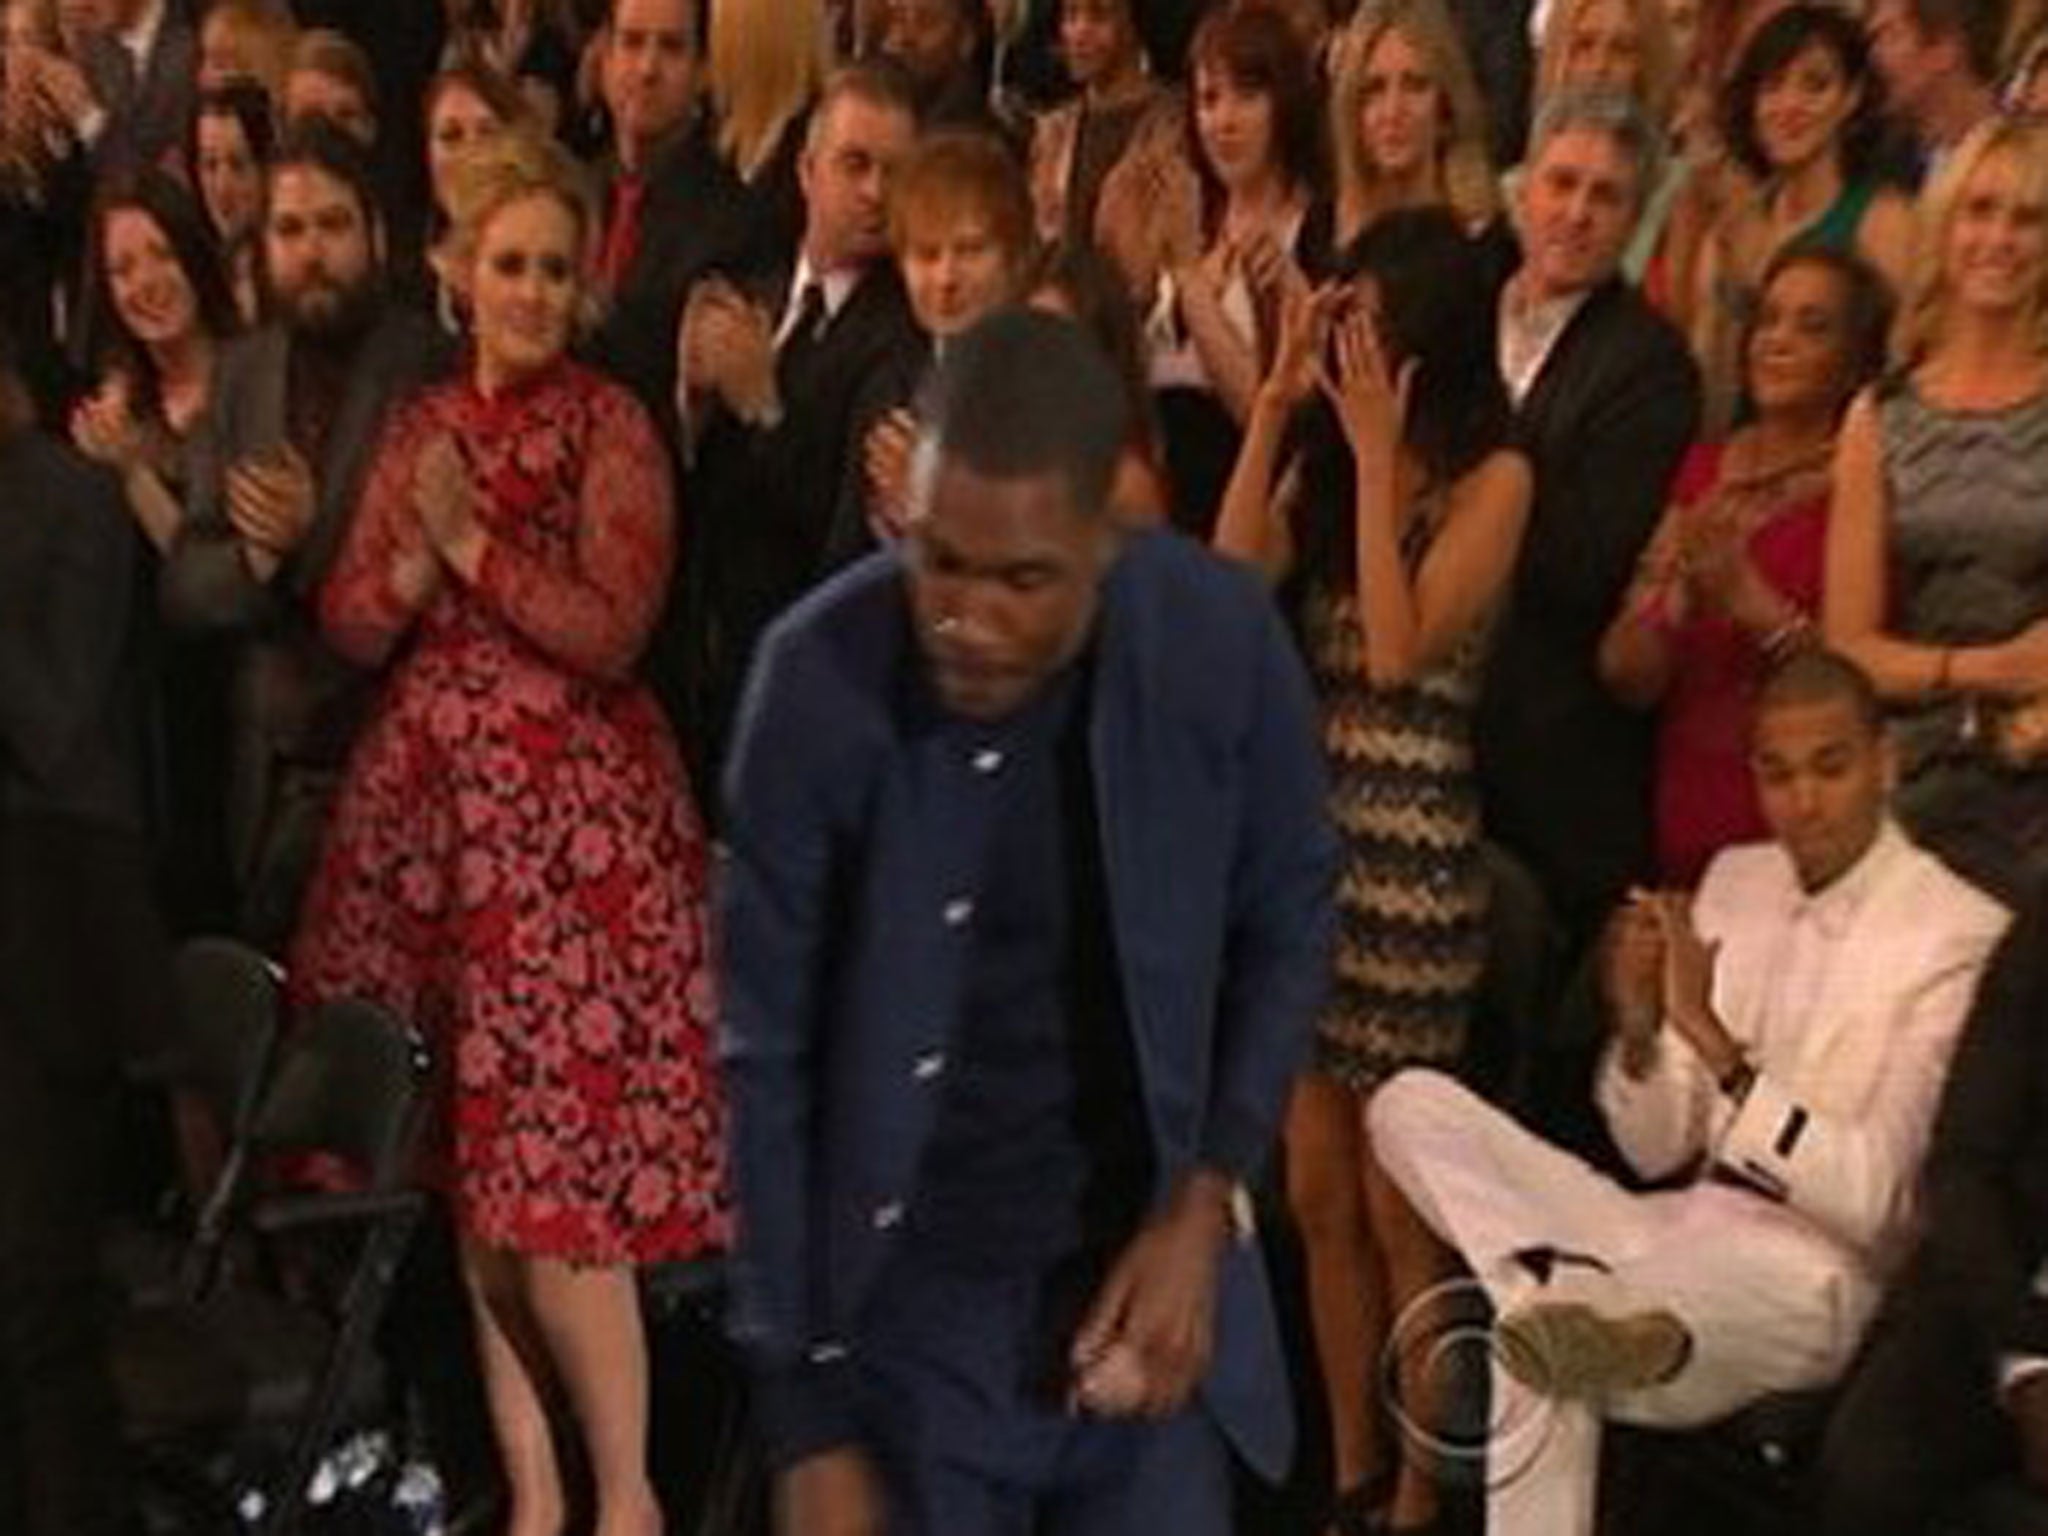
x=1781 y=1038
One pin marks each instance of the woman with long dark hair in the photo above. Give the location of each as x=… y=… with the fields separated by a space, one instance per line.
x=1390 y=512
x=1803 y=116
x=166 y=309
x=233 y=133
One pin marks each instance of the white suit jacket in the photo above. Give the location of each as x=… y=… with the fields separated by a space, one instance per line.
x=1848 y=1003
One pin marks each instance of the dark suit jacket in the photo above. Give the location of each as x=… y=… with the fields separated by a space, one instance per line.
x=149 y=112
x=697 y=218
x=855 y=822
x=69 y=738
x=759 y=502
x=1987 y=1162
x=295 y=702
x=1564 y=769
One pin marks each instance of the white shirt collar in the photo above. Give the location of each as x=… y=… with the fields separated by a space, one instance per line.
x=838 y=285
x=1834 y=906
x=140 y=39
x=1528 y=333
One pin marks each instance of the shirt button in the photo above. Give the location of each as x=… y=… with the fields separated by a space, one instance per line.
x=958 y=911
x=887 y=1216
x=928 y=1066
x=987 y=760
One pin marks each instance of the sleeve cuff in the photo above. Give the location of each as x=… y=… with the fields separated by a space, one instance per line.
x=804 y=1409
x=1761 y=1138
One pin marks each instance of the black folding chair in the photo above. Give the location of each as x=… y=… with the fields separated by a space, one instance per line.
x=211 y=1066
x=255 y=1371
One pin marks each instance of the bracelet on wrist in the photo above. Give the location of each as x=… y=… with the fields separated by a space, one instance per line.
x=1794 y=634
x=1944 y=672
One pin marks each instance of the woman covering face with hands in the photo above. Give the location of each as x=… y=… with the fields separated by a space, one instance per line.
x=1375 y=486
x=514 y=862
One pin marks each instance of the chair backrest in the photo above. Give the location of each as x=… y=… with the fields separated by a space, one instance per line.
x=229 y=1002
x=348 y=1083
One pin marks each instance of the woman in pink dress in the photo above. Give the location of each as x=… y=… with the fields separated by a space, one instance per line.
x=1732 y=578
x=514 y=862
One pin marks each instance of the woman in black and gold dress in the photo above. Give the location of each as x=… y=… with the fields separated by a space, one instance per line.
x=1391 y=516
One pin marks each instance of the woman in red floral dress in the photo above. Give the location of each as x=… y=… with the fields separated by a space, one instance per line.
x=514 y=862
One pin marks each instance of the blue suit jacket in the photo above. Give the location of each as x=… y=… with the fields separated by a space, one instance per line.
x=857 y=830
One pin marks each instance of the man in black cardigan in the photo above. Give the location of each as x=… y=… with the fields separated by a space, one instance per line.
x=1608 y=399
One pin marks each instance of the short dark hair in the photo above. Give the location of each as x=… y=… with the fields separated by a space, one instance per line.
x=877 y=82
x=1258 y=49
x=1021 y=393
x=1776 y=44
x=1819 y=676
x=1977 y=24
x=318 y=145
x=174 y=211
x=1868 y=307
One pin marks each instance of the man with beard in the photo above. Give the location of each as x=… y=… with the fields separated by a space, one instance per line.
x=277 y=466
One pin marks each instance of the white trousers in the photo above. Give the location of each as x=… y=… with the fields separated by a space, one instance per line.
x=1771 y=1303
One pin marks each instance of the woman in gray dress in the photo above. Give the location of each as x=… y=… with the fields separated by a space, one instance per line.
x=1937 y=559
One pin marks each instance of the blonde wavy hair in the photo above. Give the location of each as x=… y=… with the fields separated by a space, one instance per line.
x=1657 y=87
x=1464 y=166
x=507 y=168
x=2026 y=145
x=765 y=62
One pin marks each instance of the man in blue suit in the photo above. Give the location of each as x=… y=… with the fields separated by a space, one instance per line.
x=1026 y=916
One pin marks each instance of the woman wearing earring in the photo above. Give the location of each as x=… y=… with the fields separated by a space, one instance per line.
x=1390 y=518
x=514 y=861
x=1937 y=553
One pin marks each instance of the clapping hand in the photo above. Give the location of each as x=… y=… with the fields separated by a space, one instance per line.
x=270 y=500
x=104 y=426
x=1370 y=398
x=727 y=348
x=443 y=497
x=1305 y=315
x=885 y=456
x=1632 y=973
x=1688 y=985
x=62 y=91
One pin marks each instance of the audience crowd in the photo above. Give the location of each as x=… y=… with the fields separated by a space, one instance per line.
x=1495 y=555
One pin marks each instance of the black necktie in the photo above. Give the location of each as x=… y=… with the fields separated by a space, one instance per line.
x=810 y=316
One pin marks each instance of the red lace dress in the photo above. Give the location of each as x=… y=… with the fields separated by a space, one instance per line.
x=514 y=862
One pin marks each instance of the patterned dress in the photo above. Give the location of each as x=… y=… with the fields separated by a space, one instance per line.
x=514 y=862
x=1412 y=896
x=1968 y=541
